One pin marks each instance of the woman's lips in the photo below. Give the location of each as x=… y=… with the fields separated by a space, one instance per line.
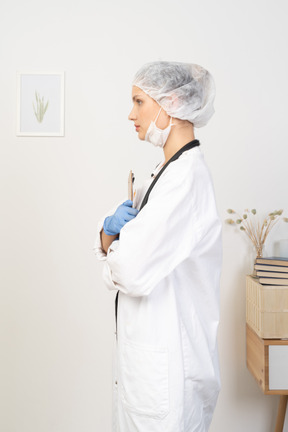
x=137 y=128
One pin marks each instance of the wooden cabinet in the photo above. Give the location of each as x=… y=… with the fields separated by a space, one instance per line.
x=267 y=360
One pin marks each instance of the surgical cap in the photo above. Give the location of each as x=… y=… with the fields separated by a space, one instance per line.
x=185 y=91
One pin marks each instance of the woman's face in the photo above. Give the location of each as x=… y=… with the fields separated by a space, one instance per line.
x=145 y=110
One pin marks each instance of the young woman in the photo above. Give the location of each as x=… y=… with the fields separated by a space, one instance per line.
x=163 y=256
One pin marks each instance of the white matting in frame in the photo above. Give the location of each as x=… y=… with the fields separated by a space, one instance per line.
x=40 y=104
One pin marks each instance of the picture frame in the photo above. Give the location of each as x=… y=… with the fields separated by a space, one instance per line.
x=40 y=104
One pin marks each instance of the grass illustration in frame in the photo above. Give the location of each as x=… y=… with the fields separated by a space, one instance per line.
x=40 y=104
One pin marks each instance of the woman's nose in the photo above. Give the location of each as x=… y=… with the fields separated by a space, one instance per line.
x=131 y=116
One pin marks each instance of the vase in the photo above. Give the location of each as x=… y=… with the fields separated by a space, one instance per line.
x=259 y=250
x=259 y=254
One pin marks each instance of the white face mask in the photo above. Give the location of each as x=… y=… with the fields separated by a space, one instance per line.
x=157 y=136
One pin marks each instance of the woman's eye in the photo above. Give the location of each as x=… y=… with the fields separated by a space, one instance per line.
x=138 y=101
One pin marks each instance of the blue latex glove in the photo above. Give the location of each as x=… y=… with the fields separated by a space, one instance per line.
x=124 y=213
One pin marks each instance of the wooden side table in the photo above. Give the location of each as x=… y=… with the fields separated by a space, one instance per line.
x=267 y=360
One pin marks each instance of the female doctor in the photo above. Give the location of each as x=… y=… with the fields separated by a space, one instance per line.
x=163 y=256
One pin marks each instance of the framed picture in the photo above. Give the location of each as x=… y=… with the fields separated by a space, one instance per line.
x=40 y=104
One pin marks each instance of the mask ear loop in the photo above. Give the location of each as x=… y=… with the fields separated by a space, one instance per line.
x=171 y=124
x=157 y=115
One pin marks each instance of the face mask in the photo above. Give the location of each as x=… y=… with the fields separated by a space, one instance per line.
x=157 y=136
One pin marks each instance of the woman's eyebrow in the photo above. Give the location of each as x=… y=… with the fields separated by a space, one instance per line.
x=135 y=97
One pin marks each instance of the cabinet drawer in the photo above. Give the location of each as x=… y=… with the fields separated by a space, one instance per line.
x=267 y=360
x=278 y=367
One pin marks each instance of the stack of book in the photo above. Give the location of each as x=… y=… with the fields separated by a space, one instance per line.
x=272 y=271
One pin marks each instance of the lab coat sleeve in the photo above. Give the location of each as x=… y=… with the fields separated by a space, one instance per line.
x=180 y=209
x=99 y=252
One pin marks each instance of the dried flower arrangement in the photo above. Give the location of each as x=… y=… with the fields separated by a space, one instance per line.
x=256 y=231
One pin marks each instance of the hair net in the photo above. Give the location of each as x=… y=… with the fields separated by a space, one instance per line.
x=184 y=91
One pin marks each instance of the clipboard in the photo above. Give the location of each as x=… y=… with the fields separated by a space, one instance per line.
x=131 y=179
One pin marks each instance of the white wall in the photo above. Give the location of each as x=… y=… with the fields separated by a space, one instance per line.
x=56 y=317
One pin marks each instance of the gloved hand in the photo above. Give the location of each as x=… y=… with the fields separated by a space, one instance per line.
x=124 y=213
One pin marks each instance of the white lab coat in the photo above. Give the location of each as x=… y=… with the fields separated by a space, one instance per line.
x=166 y=266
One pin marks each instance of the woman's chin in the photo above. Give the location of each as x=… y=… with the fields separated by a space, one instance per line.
x=141 y=136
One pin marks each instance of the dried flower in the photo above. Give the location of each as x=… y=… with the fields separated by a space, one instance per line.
x=256 y=231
